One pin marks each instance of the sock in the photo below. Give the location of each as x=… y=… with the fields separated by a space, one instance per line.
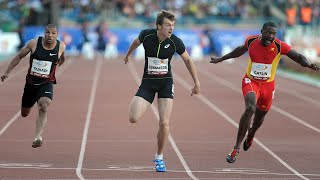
x=157 y=156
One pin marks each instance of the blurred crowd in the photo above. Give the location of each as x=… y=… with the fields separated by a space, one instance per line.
x=37 y=12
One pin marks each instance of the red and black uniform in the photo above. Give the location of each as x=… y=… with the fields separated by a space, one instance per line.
x=41 y=74
x=261 y=69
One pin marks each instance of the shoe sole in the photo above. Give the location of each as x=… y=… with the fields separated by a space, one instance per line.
x=231 y=161
x=37 y=143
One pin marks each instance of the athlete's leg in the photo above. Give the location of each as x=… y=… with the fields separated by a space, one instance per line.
x=43 y=104
x=245 y=120
x=29 y=98
x=165 y=108
x=137 y=108
x=25 y=111
x=257 y=121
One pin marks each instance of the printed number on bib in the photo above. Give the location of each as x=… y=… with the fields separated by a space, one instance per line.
x=261 y=71
x=40 y=68
x=157 y=66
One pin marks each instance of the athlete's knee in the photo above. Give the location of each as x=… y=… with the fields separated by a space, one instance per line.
x=133 y=120
x=24 y=114
x=43 y=107
x=250 y=109
x=164 y=124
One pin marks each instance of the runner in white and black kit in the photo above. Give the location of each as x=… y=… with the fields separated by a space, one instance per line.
x=46 y=53
x=160 y=45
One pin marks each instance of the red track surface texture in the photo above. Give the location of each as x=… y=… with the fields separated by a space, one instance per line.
x=88 y=134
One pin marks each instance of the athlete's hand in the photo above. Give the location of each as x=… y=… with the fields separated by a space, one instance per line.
x=314 y=67
x=126 y=60
x=4 y=76
x=215 y=59
x=195 y=90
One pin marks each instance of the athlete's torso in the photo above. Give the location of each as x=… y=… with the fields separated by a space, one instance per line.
x=264 y=60
x=158 y=54
x=42 y=64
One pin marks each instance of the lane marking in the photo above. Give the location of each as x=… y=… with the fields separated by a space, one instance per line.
x=23 y=165
x=131 y=168
x=17 y=115
x=88 y=117
x=233 y=122
x=134 y=72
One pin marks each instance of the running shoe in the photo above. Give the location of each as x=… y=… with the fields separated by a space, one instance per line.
x=160 y=165
x=231 y=158
x=247 y=143
x=37 y=142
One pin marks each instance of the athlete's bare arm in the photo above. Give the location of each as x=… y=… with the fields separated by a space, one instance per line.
x=192 y=69
x=238 y=51
x=132 y=47
x=29 y=47
x=62 y=58
x=303 y=61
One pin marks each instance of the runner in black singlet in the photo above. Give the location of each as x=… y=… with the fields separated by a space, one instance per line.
x=46 y=53
x=160 y=45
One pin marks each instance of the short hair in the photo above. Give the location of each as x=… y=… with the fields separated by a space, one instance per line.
x=164 y=14
x=49 y=26
x=269 y=24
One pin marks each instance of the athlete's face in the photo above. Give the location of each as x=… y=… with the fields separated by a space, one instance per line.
x=50 y=35
x=268 y=35
x=166 y=29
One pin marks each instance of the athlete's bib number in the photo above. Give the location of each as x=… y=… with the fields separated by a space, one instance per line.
x=261 y=71
x=40 y=68
x=157 y=66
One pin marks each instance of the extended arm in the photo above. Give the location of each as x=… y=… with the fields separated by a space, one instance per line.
x=192 y=69
x=238 y=51
x=303 y=61
x=132 y=47
x=15 y=61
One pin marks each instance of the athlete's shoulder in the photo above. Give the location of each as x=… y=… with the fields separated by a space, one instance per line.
x=62 y=45
x=175 y=39
x=252 y=37
x=33 y=42
x=146 y=32
x=278 y=41
x=149 y=31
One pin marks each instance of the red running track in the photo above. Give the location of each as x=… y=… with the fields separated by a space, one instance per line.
x=88 y=135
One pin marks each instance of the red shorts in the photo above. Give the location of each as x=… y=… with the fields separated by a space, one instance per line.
x=264 y=92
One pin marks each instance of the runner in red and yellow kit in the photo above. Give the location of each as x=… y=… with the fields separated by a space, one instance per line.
x=264 y=51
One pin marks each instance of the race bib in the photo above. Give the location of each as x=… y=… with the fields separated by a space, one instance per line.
x=40 y=68
x=261 y=71
x=157 y=66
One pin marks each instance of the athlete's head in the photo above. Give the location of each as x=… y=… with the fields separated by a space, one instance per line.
x=165 y=23
x=268 y=33
x=50 y=33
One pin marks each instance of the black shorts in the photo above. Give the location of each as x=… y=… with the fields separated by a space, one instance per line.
x=32 y=93
x=149 y=87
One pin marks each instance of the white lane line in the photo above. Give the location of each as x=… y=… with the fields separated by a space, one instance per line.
x=233 y=122
x=273 y=107
x=134 y=72
x=88 y=117
x=17 y=115
x=216 y=171
x=300 y=96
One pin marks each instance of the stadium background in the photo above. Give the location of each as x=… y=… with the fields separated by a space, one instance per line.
x=208 y=27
